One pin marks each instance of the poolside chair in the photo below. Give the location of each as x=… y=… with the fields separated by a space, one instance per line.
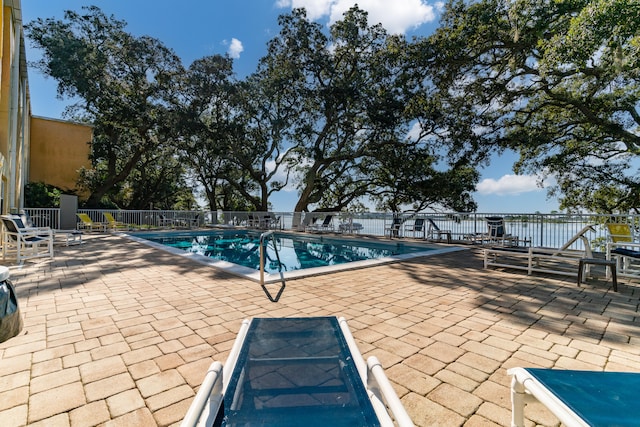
x=24 y=222
x=25 y=218
x=70 y=237
x=624 y=248
x=620 y=232
x=325 y=226
x=264 y=220
x=275 y=223
x=496 y=232
x=577 y=398
x=296 y=371
x=252 y=220
x=416 y=228
x=308 y=220
x=86 y=223
x=394 y=228
x=435 y=233
x=195 y=221
x=563 y=260
x=25 y=242
x=350 y=227
x=112 y=224
x=165 y=221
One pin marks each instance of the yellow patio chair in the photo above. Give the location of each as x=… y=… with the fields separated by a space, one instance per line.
x=112 y=224
x=624 y=249
x=86 y=223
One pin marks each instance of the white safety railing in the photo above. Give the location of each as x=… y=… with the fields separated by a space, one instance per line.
x=549 y=230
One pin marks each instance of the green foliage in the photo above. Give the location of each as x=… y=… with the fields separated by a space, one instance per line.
x=41 y=195
x=356 y=94
x=557 y=81
x=352 y=115
x=122 y=84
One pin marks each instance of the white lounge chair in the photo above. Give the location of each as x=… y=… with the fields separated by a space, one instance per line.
x=308 y=220
x=296 y=371
x=394 y=228
x=349 y=226
x=624 y=248
x=563 y=260
x=165 y=221
x=70 y=237
x=325 y=226
x=25 y=242
x=496 y=232
x=417 y=228
x=435 y=233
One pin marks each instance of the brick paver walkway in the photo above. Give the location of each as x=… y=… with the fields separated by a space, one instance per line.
x=119 y=334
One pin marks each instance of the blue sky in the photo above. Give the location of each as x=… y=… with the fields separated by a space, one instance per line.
x=242 y=28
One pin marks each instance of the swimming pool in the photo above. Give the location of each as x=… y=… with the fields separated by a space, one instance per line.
x=237 y=251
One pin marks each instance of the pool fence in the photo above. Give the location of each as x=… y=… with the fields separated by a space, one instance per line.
x=548 y=230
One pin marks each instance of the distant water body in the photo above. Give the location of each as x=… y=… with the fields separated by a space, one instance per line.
x=550 y=234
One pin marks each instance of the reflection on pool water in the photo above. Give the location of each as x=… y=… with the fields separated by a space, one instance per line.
x=297 y=252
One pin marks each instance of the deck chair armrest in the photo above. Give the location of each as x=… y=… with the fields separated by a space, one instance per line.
x=215 y=383
x=353 y=347
x=230 y=364
x=210 y=392
x=377 y=383
x=30 y=232
x=41 y=231
x=381 y=387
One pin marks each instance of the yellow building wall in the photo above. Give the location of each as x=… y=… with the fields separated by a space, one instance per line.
x=6 y=158
x=5 y=79
x=58 y=150
x=32 y=149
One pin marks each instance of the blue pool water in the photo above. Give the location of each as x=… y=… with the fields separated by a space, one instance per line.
x=296 y=251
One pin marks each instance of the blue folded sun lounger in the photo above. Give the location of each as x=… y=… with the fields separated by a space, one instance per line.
x=578 y=398
x=296 y=372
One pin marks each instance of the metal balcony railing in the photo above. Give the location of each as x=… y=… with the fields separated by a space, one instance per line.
x=550 y=230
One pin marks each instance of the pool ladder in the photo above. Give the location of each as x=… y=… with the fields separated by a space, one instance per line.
x=263 y=246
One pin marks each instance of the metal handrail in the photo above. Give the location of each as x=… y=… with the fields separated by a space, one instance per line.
x=263 y=237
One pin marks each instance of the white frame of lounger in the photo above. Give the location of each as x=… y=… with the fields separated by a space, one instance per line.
x=624 y=265
x=524 y=388
x=205 y=405
x=378 y=387
x=533 y=257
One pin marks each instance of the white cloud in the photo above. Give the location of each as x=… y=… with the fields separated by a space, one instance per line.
x=316 y=9
x=396 y=17
x=415 y=132
x=509 y=185
x=235 y=48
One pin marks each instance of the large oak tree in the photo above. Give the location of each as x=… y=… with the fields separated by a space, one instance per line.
x=557 y=81
x=122 y=85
